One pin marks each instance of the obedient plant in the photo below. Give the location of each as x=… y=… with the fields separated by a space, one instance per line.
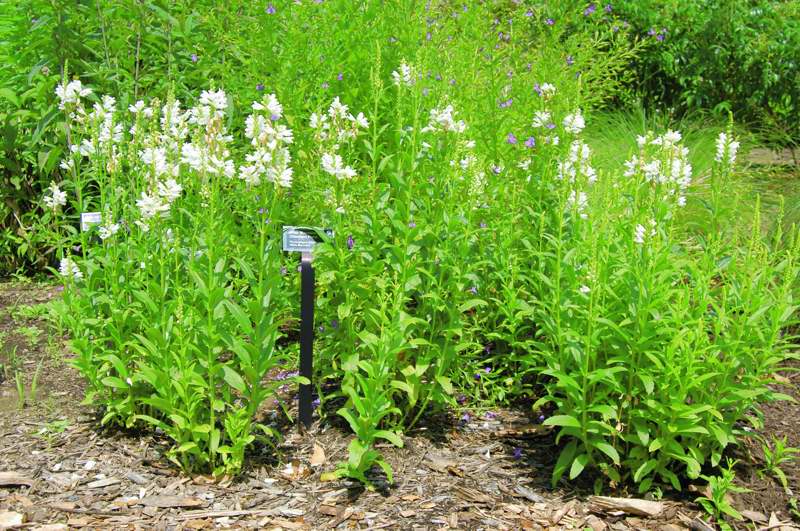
x=480 y=248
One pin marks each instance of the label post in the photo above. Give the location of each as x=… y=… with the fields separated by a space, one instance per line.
x=306 y=336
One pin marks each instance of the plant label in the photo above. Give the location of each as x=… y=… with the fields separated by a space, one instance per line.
x=90 y=218
x=303 y=239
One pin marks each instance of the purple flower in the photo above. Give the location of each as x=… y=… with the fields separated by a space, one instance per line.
x=340 y=76
x=511 y=139
x=660 y=37
x=283 y=270
x=490 y=415
x=517 y=453
x=260 y=87
x=487 y=370
x=497 y=170
x=608 y=8
x=453 y=82
x=478 y=376
x=570 y=60
x=461 y=398
x=274 y=117
x=551 y=125
x=261 y=210
x=425 y=91
x=321 y=328
x=411 y=224
x=589 y=10
x=194 y=57
x=335 y=324
x=537 y=89
x=270 y=9
x=473 y=290
x=529 y=13
x=550 y=22
x=350 y=242
x=428 y=36
x=465 y=418
x=507 y=103
x=541 y=418
x=483 y=225
x=438 y=77
x=530 y=142
x=651 y=32
x=315 y=403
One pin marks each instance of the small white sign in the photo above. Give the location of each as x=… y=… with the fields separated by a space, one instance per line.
x=303 y=239
x=90 y=218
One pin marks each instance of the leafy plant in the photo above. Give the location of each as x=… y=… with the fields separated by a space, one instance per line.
x=717 y=504
x=776 y=456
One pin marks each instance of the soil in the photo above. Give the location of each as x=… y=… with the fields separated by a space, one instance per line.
x=59 y=470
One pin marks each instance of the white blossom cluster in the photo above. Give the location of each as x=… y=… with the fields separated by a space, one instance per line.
x=577 y=163
x=405 y=77
x=270 y=159
x=444 y=120
x=56 y=197
x=662 y=160
x=70 y=94
x=332 y=130
x=338 y=124
x=641 y=233
x=574 y=123
x=67 y=268
x=727 y=147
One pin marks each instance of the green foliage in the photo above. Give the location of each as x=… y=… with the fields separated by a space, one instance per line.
x=776 y=456
x=717 y=503
x=726 y=55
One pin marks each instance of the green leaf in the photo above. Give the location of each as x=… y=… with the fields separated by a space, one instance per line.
x=233 y=379
x=578 y=465
x=607 y=449
x=390 y=436
x=470 y=304
x=562 y=420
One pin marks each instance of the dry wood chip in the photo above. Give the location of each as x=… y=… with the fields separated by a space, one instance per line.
x=13 y=479
x=102 y=483
x=318 y=457
x=11 y=519
x=755 y=516
x=136 y=478
x=51 y=527
x=409 y=497
x=472 y=495
x=408 y=513
x=634 y=506
x=63 y=506
x=524 y=492
x=198 y=524
x=286 y=524
x=329 y=510
x=166 y=502
x=559 y=515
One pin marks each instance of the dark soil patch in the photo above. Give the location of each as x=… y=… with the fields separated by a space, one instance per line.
x=490 y=471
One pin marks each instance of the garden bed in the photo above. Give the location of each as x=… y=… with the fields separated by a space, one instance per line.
x=490 y=471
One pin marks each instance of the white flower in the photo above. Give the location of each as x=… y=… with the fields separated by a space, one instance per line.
x=57 y=197
x=337 y=109
x=107 y=231
x=216 y=99
x=169 y=190
x=333 y=165
x=574 y=123
x=726 y=149
x=67 y=164
x=272 y=105
x=361 y=120
x=318 y=121
x=151 y=206
x=444 y=120
x=638 y=234
x=68 y=268
x=71 y=93
x=578 y=201
x=405 y=76
x=541 y=119
x=584 y=289
x=548 y=90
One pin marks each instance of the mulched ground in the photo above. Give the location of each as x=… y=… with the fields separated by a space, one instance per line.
x=58 y=470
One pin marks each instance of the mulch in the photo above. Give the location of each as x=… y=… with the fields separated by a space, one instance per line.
x=60 y=470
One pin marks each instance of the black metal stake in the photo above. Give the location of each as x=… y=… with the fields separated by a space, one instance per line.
x=306 y=336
